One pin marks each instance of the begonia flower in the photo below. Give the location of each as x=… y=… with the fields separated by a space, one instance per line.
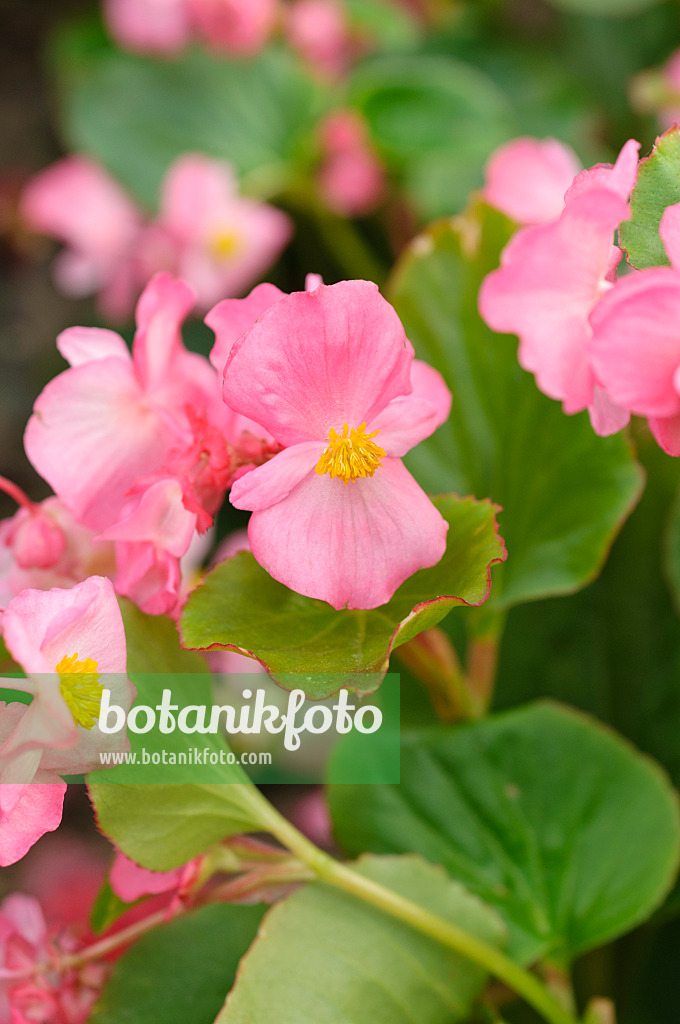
x=118 y=414
x=150 y=26
x=237 y=27
x=551 y=278
x=336 y=515
x=351 y=177
x=36 y=985
x=210 y=235
x=635 y=348
x=77 y=202
x=131 y=882
x=526 y=179
x=71 y=643
x=66 y=641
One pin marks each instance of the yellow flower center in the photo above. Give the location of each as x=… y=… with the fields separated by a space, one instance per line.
x=224 y=245
x=351 y=454
x=80 y=687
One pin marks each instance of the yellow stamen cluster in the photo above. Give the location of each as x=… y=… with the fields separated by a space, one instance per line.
x=80 y=687
x=351 y=454
x=224 y=245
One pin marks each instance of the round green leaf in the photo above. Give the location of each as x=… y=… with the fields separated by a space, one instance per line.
x=326 y=957
x=556 y=821
x=136 y=115
x=658 y=186
x=241 y=608
x=564 y=491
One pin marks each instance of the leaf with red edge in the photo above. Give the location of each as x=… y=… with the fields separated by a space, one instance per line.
x=306 y=644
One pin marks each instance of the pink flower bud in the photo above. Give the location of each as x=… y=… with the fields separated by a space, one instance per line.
x=39 y=541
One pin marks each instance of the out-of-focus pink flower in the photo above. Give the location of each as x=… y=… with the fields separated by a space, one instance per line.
x=130 y=882
x=27 y=811
x=351 y=177
x=319 y=31
x=77 y=202
x=527 y=178
x=236 y=27
x=34 y=987
x=208 y=234
x=150 y=26
x=551 y=278
x=119 y=416
x=65 y=640
x=336 y=515
x=635 y=348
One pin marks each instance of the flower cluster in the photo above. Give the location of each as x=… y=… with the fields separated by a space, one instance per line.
x=593 y=340
x=205 y=231
x=321 y=399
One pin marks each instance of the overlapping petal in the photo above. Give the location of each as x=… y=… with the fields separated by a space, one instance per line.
x=319 y=359
x=350 y=545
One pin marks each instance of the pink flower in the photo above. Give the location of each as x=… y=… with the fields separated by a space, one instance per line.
x=149 y=26
x=119 y=415
x=336 y=515
x=34 y=986
x=208 y=234
x=635 y=348
x=78 y=203
x=319 y=32
x=65 y=640
x=551 y=278
x=527 y=178
x=351 y=178
x=237 y=27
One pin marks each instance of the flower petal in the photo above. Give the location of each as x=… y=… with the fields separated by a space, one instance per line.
x=409 y=419
x=231 y=318
x=36 y=809
x=666 y=430
x=92 y=435
x=268 y=484
x=85 y=344
x=635 y=348
x=350 y=545
x=319 y=359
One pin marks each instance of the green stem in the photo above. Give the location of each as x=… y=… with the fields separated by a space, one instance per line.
x=433 y=661
x=447 y=934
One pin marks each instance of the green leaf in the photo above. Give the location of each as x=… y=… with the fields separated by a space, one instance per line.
x=326 y=957
x=241 y=608
x=162 y=827
x=136 y=115
x=672 y=551
x=435 y=120
x=181 y=972
x=542 y=812
x=658 y=186
x=153 y=644
x=564 y=491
